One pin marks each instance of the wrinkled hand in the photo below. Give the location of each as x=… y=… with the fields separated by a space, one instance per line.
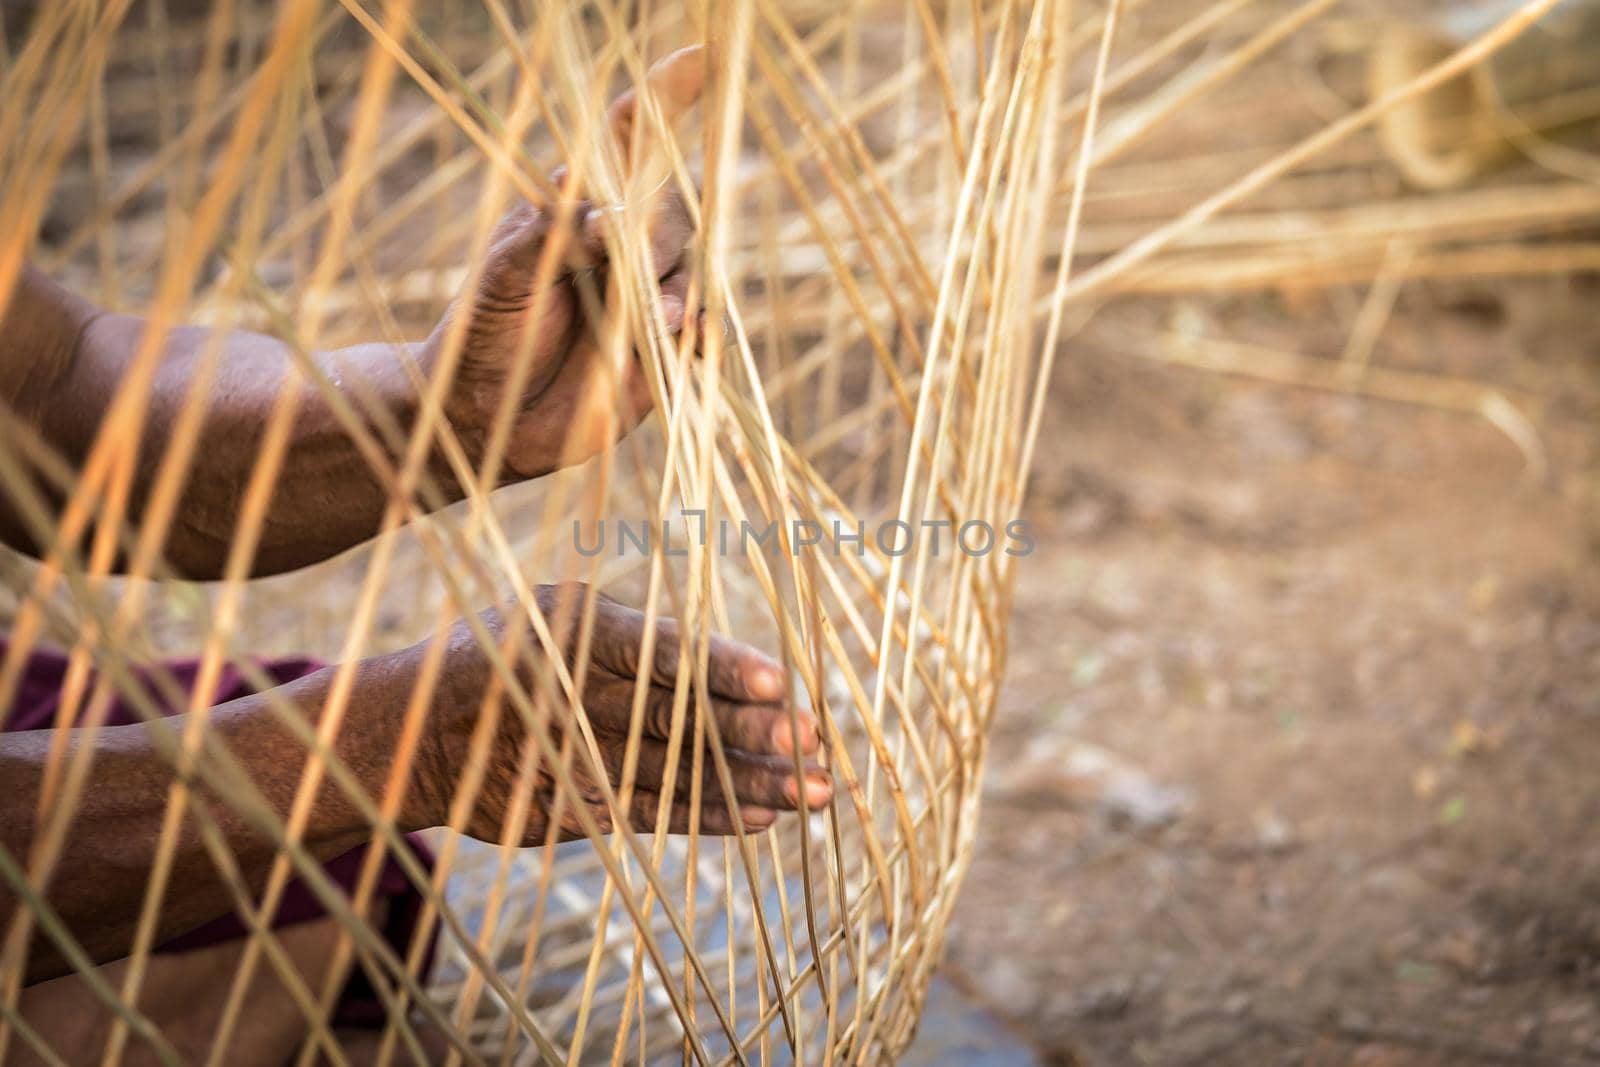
x=573 y=403
x=746 y=690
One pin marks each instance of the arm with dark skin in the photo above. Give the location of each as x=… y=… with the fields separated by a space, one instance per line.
x=99 y=883
x=61 y=363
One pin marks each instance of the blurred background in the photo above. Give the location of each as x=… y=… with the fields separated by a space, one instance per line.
x=1296 y=761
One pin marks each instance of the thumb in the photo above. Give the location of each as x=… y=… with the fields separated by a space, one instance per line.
x=675 y=81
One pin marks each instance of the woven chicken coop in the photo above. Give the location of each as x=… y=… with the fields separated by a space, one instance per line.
x=884 y=207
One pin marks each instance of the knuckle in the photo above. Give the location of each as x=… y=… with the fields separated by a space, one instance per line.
x=612 y=755
x=551 y=595
x=593 y=797
x=658 y=712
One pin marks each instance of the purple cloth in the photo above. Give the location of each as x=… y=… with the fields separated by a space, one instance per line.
x=37 y=706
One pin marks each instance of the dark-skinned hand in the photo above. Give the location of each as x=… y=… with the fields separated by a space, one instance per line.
x=574 y=405
x=746 y=703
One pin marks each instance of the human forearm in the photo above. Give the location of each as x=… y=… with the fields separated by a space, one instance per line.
x=327 y=495
x=109 y=848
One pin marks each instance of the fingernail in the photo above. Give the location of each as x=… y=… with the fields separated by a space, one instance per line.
x=757 y=817
x=766 y=683
x=818 y=790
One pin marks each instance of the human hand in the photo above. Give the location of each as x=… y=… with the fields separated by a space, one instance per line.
x=746 y=690
x=574 y=403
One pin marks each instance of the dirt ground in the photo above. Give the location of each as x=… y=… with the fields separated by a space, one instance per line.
x=1299 y=759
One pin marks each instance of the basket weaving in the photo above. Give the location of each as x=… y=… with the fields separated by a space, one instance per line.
x=885 y=202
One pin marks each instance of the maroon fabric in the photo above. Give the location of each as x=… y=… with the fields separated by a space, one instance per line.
x=37 y=706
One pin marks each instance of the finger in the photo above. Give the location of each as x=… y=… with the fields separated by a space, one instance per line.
x=676 y=81
x=588 y=244
x=518 y=243
x=763 y=729
x=716 y=820
x=766 y=781
x=738 y=672
x=735 y=671
x=670 y=229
